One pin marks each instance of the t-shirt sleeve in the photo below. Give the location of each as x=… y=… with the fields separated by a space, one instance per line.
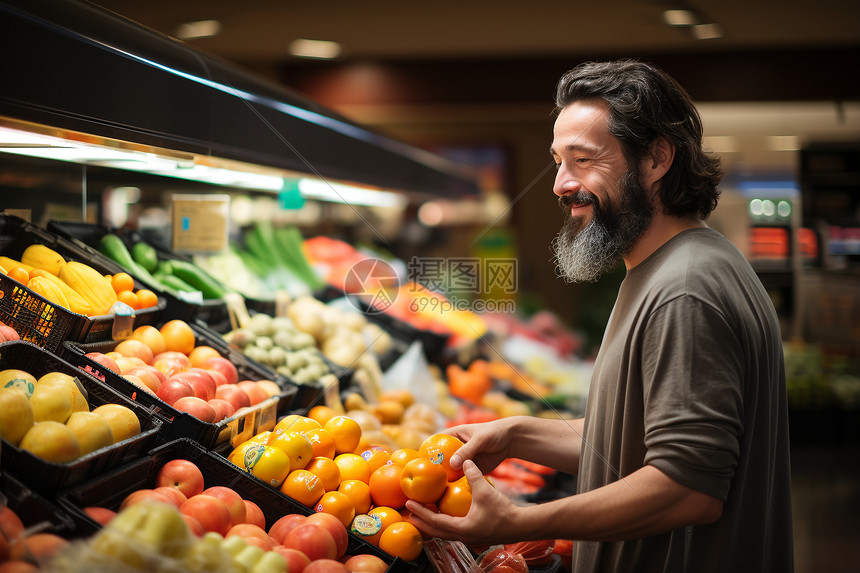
x=693 y=395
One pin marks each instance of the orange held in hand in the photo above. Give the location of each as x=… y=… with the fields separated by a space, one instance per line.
x=423 y=481
x=457 y=498
x=385 y=486
x=439 y=448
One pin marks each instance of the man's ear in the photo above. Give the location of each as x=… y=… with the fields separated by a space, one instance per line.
x=657 y=162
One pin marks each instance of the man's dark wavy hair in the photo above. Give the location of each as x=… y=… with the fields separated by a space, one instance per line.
x=646 y=103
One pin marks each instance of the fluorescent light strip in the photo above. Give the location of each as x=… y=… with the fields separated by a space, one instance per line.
x=315 y=49
x=349 y=194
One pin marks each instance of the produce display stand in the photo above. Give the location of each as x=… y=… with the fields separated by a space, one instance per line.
x=110 y=489
x=43 y=322
x=46 y=477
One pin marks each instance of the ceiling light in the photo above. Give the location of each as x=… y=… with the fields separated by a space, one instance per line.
x=679 y=17
x=198 y=29
x=707 y=31
x=719 y=143
x=322 y=190
x=318 y=49
x=783 y=143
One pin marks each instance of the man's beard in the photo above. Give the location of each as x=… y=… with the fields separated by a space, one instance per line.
x=586 y=254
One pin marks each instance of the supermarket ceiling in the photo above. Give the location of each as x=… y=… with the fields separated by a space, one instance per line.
x=259 y=32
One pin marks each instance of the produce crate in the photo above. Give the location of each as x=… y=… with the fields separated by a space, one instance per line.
x=43 y=322
x=212 y=312
x=46 y=477
x=233 y=431
x=109 y=491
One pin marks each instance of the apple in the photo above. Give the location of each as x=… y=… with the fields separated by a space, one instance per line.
x=224 y=366
x=284 y=525
x=147 y=375
x=312 y=540
x=194 y=525
x=126 y=363
x=201 y=382
x=326 y=566
x=180 y=474
x=135 y=381
x=212 y=513
x=365 y=563
x=173 y=389
x=145 y=494
x=176 y=497
x=296 y=560
x=335 y=528
x=234 y=395
x=100 y=515
x=231 y=498
x=219 y=378
x=103 y=360
x=37 y=547
x=251 y=533
x=223 y=408
x=197 y=407
x=256 y=393
x=254 y=515
x=271 y=388
x=171 y=362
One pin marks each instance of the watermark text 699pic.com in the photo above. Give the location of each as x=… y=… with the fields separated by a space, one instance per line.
x=470 y=283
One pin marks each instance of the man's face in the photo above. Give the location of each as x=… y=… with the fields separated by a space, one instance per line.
x=606 y=210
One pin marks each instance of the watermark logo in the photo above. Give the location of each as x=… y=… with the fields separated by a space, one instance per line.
x=374 y=282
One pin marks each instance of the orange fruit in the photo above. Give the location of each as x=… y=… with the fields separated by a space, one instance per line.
x=178 y=336
x=325 y=469
x=337 y=504
x=129 y=298
x=402 y=539
x=122 y=282
x=295 y=423
x=150 y=336
x=201 y=354
x=423 y=481
x=135 y=349
x=402 y=456
x=352 y=466
x=272 y=466
x=146 y=298
x=19 y=274
x=296 y=445
x=439 y=448
x=376 y=456
x=346 y=433
x=322 y=413
x=321 y=441
x=358 y=492
x=370 y=526
x=303 y=486
x=457 y=498
x=385 y=486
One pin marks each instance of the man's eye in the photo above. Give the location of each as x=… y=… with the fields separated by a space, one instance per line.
x=582 y=160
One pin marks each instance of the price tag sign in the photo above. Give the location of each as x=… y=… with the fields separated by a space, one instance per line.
x=201 y=223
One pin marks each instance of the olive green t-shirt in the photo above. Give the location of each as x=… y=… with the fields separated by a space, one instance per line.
x=690 y=379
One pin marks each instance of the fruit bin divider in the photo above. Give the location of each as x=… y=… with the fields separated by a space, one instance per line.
x=43 y=322
x=110 y=489
x=46 y=477
x=35 y=510
x=234 y=430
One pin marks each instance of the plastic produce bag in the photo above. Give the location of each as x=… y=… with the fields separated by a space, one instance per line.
x=412 y=372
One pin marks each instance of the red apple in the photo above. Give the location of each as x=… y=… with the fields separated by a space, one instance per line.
x=254 y=515
x=284 y=525
x=180 y=474
x=326 y=566
x=218 y=377
x=223 y=408
x=234 y=395
x=197 y=407
x=201 y=382
x=231 y=498
x=126 y=363
x=148 y=376
x=194 y=525
x=103 y=360
x=175 y=496
x=171 y=362
x=145 y=494
x=296 y=560
x=312 y=540
x=212 y=513
x=335 y=528
x=224 y=366
x=100 y=515
x=256 y=393
x=173 y=389
x=365 y=563
x=271 y=388
x=250 y=532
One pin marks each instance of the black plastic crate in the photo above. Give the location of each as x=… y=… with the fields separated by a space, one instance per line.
x=234 y=430
x=43 y=322
x=109 y=491
x=35 y=510
x=47 y=477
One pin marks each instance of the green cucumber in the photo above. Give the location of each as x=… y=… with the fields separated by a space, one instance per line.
x=115 y=249
x=144 y=255
x=196 y=277
x=175 y=282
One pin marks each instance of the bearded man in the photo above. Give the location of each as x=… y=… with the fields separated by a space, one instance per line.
x=682 y=457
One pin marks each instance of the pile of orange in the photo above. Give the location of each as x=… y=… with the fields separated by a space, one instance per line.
x=322 y=461
x=123 y=286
